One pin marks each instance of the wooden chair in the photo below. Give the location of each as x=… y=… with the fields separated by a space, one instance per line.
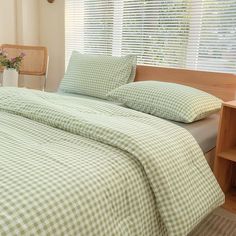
x=35 y=61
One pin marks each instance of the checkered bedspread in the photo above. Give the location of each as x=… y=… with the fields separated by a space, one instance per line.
x=72 y=166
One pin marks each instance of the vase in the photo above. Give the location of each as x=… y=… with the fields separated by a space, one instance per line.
x=10 y=78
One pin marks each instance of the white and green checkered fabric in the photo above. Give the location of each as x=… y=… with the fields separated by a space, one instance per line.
x=96 y=75
x=73 y=166
x=167 y=100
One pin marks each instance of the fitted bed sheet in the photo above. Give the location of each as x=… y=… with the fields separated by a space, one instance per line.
x=204 y=131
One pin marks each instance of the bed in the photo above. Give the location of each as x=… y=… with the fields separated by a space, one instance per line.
x=222 y=85
x=204 y=131
x=77 y=166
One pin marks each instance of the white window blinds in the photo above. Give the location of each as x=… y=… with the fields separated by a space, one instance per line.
x=193 y=34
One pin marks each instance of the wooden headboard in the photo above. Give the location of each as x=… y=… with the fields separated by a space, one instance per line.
x=221 y=85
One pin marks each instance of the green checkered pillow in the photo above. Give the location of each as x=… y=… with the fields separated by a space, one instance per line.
x=96 y=75
x=167 y=100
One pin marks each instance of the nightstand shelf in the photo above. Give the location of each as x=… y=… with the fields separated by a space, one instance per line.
x=225 y=161
x=229 y=154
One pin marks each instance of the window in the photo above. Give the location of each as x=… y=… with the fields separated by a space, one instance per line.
x=192 y=34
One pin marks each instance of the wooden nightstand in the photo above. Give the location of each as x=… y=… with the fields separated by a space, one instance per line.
x=225 y=161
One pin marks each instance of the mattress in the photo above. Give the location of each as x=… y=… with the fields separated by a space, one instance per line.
x=204 y=131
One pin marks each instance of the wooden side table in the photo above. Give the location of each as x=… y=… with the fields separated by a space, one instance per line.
x=225 y=161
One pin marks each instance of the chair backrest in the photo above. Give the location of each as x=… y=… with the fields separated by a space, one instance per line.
x=35 y=61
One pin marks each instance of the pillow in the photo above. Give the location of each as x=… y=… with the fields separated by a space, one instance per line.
x=167 y=100
x=96 y=75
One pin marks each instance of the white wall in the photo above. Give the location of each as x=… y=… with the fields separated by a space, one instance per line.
x=36 y=22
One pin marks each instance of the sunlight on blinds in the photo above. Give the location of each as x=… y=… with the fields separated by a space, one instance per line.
x=196 y=34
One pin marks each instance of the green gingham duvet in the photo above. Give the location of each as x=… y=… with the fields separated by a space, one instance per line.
x=72 y=166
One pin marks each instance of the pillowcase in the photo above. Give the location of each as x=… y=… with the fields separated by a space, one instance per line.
x=167 y=100
x=96 y=75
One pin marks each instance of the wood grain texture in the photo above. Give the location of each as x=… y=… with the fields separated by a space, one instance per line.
x=229 y=154
x=221 y=85
x=230 y=201
x=225 y=161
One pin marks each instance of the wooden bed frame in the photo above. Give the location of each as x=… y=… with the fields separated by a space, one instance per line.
x=221 y=85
